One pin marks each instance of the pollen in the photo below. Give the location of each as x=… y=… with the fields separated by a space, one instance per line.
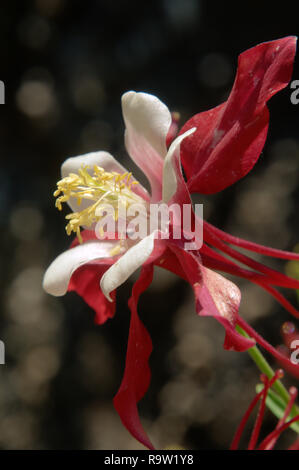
x=97 y=188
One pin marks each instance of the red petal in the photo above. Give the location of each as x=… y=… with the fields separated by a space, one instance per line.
x=215 y=296
x=221 y=298
x=137 y=372
x=86 y=282
x=230 y=137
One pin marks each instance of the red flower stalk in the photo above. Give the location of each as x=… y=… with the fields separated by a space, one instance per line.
x=270 y=440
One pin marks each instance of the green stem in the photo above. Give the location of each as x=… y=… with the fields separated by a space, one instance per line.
x=264 y=367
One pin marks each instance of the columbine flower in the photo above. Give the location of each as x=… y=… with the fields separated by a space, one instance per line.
x=95 y=268
x=284 y=423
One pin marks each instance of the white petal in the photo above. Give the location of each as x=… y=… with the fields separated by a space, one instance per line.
x=149 y=117
x=120 y=271
x=171 y=170
x=102 y=159
x=147 y=122
x=59 y=273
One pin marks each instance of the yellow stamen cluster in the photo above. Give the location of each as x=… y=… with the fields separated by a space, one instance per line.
x=99 y=188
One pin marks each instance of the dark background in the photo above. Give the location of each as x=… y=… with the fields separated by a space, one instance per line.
x=65 y=65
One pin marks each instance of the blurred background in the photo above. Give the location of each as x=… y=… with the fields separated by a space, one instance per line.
x=65 y=65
